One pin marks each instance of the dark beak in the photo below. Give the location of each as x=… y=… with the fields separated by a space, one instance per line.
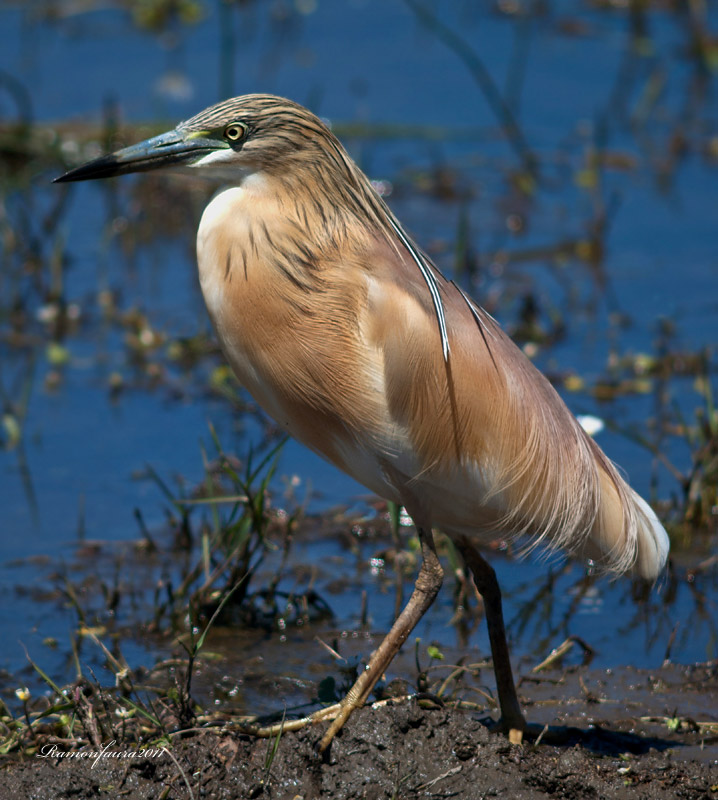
x=167 y=149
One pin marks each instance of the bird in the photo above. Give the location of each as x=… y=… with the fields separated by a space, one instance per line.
x=347 y=334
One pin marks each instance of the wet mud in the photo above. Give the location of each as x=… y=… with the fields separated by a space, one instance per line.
x=595 y=734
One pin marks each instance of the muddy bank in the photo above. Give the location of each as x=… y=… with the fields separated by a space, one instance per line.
x=628 y=734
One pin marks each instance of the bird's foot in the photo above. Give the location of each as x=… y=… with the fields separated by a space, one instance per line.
x=514 y=729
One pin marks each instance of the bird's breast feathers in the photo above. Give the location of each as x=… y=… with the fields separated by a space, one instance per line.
x=341 y=369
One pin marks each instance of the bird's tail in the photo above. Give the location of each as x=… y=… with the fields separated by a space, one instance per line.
x=563 y=491
x=626 y=535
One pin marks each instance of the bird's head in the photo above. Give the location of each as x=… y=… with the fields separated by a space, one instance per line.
x=290 y=149
x=237 y=137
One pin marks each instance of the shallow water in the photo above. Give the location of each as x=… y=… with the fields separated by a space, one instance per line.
x=371 y=62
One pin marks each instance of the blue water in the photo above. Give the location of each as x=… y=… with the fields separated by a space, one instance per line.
x=363 y=61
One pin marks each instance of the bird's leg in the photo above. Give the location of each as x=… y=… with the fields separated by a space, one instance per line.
x=428 y=583
x=512 y=720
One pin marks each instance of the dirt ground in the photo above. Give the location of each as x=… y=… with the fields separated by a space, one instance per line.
x=659 y=740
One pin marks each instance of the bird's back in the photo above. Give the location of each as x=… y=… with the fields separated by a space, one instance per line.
x=493 y=448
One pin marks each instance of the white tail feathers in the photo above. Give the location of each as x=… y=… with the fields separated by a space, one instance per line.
x=652 y=541
x=626 y=535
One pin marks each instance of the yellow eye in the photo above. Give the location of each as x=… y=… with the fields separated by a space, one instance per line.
x=235 y=131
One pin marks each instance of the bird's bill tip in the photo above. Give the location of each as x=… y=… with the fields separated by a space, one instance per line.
x=104 y=167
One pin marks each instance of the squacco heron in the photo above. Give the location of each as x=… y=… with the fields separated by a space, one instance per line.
x=347 y=334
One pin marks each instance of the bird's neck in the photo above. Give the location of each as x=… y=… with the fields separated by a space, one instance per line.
x=274 y=225
x=314 y=207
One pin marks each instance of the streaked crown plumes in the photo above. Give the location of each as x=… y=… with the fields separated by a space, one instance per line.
x=287 y=141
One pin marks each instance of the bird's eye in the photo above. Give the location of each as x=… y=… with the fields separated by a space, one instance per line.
x=235 y=132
